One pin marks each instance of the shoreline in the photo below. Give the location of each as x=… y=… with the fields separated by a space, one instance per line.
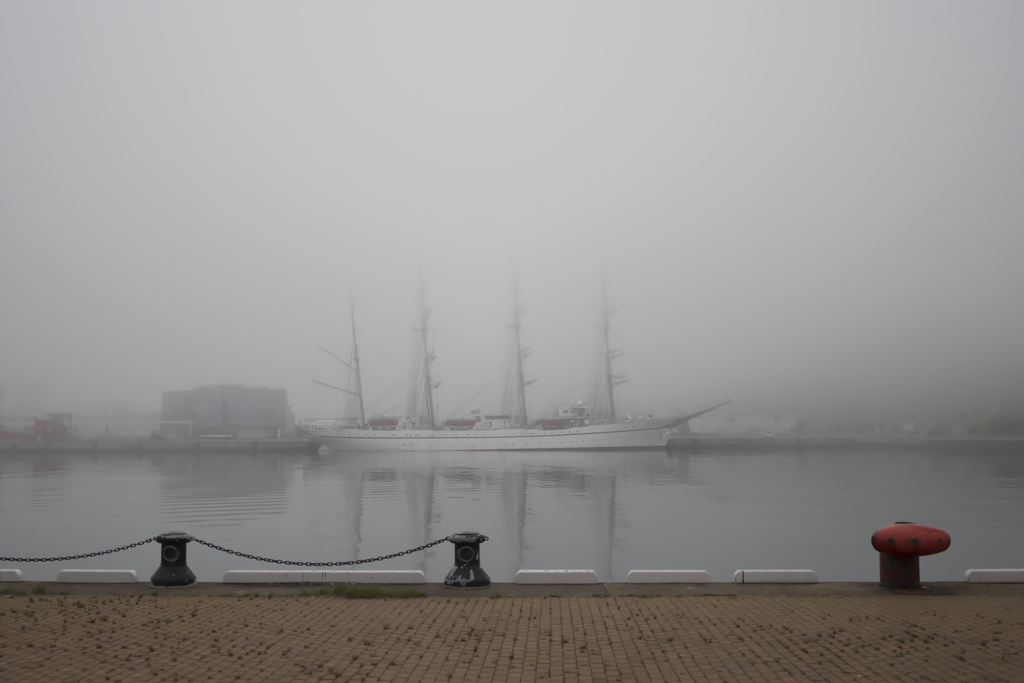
x=686 y=443
x=700 y=443
x=298 y=445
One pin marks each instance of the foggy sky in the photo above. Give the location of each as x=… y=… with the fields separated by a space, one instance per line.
x=805 y=207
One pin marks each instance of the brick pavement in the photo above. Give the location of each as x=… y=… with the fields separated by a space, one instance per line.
x=124 y=638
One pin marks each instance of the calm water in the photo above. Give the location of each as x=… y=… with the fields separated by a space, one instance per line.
x=611 y=512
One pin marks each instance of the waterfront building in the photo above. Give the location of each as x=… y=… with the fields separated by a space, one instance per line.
x=231 y=411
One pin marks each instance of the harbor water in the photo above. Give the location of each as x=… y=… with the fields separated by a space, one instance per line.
x=607 y=511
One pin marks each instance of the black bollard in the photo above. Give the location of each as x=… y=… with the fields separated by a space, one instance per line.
x=467 y=572
x=173 y=571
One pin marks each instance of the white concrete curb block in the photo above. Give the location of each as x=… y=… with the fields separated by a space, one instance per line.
x=556 y=576
x=10 y=575
x=263 y=576
x=994 y=576
x=668 y=576
x=380 y=577
x=774 y=576
x=98 y=576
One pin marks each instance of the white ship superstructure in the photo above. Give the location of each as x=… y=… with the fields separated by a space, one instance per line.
x=636 y=434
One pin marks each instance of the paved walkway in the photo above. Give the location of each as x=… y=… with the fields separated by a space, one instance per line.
x=120 y=638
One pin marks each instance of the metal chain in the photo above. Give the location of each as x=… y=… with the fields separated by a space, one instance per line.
x=318 y=564
x=231 y=552
x=73 y=557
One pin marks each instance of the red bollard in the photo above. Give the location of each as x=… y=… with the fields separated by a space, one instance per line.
x=900 y=546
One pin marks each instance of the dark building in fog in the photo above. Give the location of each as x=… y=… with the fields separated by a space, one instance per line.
x=231 y=410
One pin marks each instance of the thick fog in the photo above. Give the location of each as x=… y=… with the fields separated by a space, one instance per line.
x=815 y=209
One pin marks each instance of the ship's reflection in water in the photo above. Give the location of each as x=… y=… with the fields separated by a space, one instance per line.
x=607 y=511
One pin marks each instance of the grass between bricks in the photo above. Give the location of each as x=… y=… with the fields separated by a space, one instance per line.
x=367 y=592
x=38 y=589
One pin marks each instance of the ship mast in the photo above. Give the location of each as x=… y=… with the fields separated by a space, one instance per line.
x=610 y=354
x=355 y=364
x=428 y=357
x=521 y=354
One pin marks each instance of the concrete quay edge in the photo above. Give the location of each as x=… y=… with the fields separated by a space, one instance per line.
x=511 y=590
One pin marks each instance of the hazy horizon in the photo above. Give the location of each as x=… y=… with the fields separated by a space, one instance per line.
x=814 y=210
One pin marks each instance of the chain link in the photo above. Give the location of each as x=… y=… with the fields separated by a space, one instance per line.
x=318 y=564
x=73 y=557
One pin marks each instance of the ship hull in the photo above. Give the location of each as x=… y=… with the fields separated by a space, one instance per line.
x=638 y=435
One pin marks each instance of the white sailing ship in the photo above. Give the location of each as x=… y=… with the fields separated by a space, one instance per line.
x=572 y=427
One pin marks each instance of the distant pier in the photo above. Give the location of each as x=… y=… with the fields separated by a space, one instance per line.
x=299 y=445
x=703 y=443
